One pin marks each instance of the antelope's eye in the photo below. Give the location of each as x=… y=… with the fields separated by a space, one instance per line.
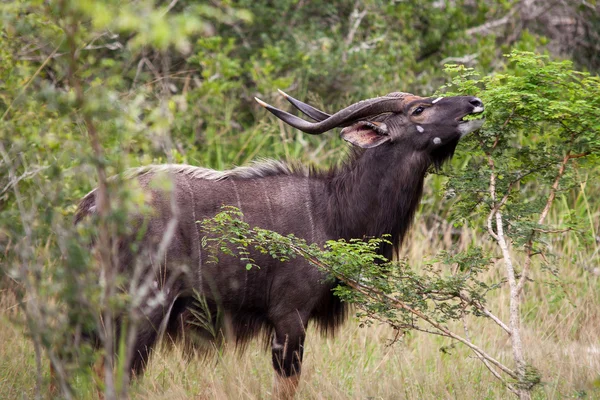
x=418 y=111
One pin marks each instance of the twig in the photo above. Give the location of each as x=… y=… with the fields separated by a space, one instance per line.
x=486 y=363
x=169 y=7
x=487 y=312
x=15 y=180
x=31 y=80
x=466 y=59
x=552 y=231
x=369 y=292
x=488 y=26
x=356 y=18
x=494 y=206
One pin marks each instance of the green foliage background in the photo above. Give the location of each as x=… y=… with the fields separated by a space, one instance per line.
x=175 y=81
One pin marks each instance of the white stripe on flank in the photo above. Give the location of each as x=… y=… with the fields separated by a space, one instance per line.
x=310 y=217
x=268 y=201
x=198 y=239
x=237 y=196
x=239 y=202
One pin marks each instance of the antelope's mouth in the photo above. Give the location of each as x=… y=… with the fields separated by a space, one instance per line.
x=475 y=115
x=471 y=122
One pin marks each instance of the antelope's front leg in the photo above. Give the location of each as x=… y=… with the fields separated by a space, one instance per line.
x=287 y=348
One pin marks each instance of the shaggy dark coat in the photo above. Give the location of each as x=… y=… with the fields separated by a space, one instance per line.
x=376 y=192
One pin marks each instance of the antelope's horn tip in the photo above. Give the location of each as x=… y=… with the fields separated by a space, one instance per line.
x=262 y=103
x=284 y=94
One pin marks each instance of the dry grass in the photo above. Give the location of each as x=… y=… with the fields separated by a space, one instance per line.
x=561 y=335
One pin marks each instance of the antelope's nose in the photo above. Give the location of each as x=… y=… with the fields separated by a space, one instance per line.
x=476 y=102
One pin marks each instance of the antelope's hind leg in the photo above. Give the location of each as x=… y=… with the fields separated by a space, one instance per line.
x=287 y=349
x=151 y=329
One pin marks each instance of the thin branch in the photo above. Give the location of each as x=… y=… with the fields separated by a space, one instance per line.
x=374 y=294
x=487 y=312
x=25 y=175
x=580 y=155
x=38 y=58
x=356 y=18
x=486 y=363
x=436 y=325
x=169 y=7
x=24 y=88
x=552 y=230
x=488 y=26
x=466 y=59
x=492 y=190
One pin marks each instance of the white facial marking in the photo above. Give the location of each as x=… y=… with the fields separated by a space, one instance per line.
x=470 y=126
x=477 y=109
x=420 y=128
x=436 y=100
x=437 y=140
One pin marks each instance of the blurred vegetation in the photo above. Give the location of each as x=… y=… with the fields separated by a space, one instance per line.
x=174 y=81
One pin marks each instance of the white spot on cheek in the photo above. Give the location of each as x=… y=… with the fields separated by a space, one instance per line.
x=420 y=128
x=437 y=140
x=436 y=100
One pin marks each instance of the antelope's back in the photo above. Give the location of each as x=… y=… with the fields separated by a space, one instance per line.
x=178 y=199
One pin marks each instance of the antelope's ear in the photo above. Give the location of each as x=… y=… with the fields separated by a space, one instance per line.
x=366 y=134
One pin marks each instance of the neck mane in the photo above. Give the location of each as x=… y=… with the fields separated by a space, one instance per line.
x=377 y=193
